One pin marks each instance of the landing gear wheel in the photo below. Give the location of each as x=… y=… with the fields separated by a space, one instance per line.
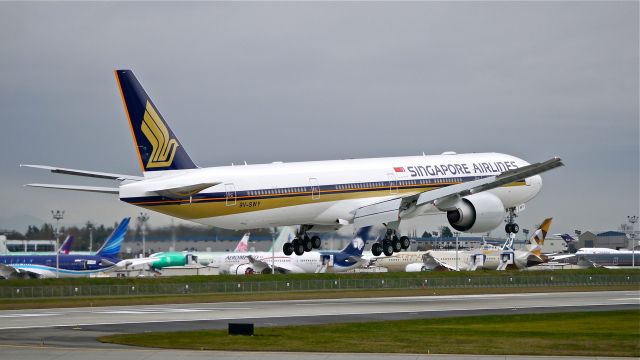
x=397 y=245
x=315 y=241
x=376 y=249
x=511 y=228
x=405 y=242
x=387 y=248
x=298 y=248
x=308 y=245
x=287 y=249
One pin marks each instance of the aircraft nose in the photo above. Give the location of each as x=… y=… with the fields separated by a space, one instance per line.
x=536 y=182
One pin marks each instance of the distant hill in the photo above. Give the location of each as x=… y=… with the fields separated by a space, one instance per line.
x=19 y=223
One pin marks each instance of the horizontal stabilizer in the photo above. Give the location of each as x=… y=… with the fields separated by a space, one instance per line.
x=98 y=189
x=178 y=192
x=94 y=174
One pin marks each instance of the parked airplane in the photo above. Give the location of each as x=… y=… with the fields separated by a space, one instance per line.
x=487 y=257
x=72 y=265
x=311 y=262
x=474 y=190
x=65 y=248
x=165 y=259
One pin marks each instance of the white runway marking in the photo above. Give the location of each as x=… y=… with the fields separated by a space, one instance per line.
x=28 y=315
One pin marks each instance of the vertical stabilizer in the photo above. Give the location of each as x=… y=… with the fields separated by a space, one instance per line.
x=537 y=239
x=65 y=248
x=157 y=146
x=111 y=247
x=356 y=245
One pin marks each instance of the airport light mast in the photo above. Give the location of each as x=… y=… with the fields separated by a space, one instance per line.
x=142 y=220
x=90 y=228
x=632 y=235
x=57 y=216
x=457 y=234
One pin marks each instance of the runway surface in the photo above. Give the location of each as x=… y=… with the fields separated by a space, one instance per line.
x=79 y=327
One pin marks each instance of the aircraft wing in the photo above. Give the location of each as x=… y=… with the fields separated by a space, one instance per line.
x=260 y=265
x=434 y=264
x=95 y=174
x=9 y=272
x=135 y=262
x=389 y=210
x=559 y=257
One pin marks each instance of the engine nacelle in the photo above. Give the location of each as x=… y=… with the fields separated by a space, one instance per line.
x=477 y=213
x=243 y=269
x=416 y=267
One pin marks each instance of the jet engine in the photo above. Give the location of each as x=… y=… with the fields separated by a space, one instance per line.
x=416 y=267
x=476 y=213
x=242 y=269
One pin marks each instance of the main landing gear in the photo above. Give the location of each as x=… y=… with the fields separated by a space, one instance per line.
x=302 y=243
x=390 y=244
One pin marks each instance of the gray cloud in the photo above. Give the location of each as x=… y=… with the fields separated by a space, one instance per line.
x=308 y=81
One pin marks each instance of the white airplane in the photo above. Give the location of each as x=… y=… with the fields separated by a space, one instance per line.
x=310 y=262
x=486 y=257
x=474 y=190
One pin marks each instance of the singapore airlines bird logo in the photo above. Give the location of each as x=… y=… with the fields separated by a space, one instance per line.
x=164 y=148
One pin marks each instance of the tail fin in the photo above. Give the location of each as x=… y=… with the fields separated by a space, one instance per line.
x=537 y=239
x=111 y=246
x=567 y=238
x=243 y=245
x=356 y=245
x=65 y=248
x=157 y=146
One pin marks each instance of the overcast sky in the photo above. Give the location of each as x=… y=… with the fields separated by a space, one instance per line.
x=266 y=82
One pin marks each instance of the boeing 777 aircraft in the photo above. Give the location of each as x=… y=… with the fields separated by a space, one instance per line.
x=474 y=190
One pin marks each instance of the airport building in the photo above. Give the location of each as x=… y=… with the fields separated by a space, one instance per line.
x=607 y=239
x=27 y=245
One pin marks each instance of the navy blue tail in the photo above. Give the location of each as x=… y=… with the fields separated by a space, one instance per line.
x=157 y=146
x=111 y=247
x=356 y=245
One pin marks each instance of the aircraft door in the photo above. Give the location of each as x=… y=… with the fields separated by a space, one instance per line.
x=393 y=183
x=230 y=194
x=192 y=259
x=315 y=189
x=327 y=260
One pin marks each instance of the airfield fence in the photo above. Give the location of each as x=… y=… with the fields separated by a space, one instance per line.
x=248 y=286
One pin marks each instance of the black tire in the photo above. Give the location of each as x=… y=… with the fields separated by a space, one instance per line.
x=387 y=249
x=507 y=228
x=515 y=228
x=299 y=249
x=308 y=245
x=376 y=249
x=316 y=242
x=397 y=245
x=287 y=249
x=405 y=242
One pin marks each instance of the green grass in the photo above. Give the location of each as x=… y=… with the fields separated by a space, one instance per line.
x=611 y=333
x=47 y=303
x=281 y=277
